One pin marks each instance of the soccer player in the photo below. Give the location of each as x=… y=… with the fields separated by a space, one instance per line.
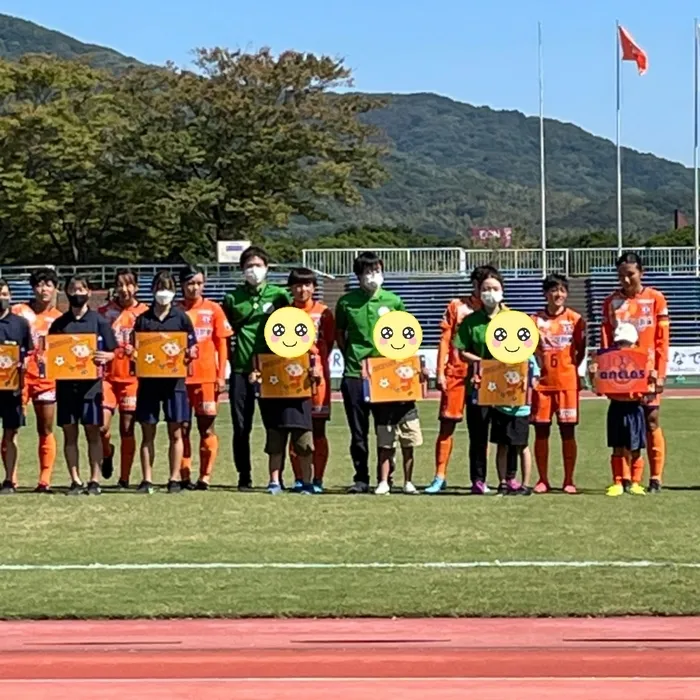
x=451 y=379
x=646 y=309
x=302 y=284
x=206 y=379
x=14 y=330
x=41 y=312
x=80 y=401
x=163 y=317
x=561 y=350
x=120 y=384
x=247 y=309
x=355 y=316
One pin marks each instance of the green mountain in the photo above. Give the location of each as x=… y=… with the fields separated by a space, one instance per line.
x=454 y=166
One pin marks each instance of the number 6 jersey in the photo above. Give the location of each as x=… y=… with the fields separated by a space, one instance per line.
x=562 y=347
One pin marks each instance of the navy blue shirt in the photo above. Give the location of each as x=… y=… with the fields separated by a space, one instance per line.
x=15 y=330
x=175 y=321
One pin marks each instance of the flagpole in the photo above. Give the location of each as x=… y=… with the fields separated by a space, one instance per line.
x=543 y=200
x=696 y=203
x=619 y=160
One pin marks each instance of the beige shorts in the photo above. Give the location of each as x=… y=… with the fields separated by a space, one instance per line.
x=406 y=434
x=276 y=441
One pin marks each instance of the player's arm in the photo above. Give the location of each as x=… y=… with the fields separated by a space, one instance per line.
x=446 y=328
x=580 y=341
x=222 y=334
x=463 y=343
x=341 y=326
x=327 y=327
x=606 y=326
x=109 y=342
x=661 y=340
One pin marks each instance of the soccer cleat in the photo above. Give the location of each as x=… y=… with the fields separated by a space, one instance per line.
x=76 y=489
x=8 y=489
x=522 y=491
x=615 y=490
x=123 y=485
x=542 y=487
x=570 y=489
x=383 y=489
x=318 y=486
x=43 y=488
x=187 y=485
x=93 y=489
x=174 y=486
x=274 y=488
x=201 y=486
x=410 y=489
x=298 y=486
x=108 y=466
x=307 y=490
x=637 y=490
x=654 y=486
x=512 y=484
x=439 y=484
x=479 y=488
x=146 y=488
x=359 y=487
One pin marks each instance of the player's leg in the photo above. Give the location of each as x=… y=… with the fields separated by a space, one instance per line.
x=567 y=411
x=109 y=407
x=147 y=415
x=127 y=432
x=275 y=446
x=320 y=456
x=304 y=446
x=9 y=458
x=478 y=420
x=452 y=402
x=357 y=413
x=208 y=450
x=410 y=437
x=242 y=403
x=177 y=412
x=655 y=446
x=45 y=413
x=637 y=442
x=68 y=415
x=194 y=395
x=91 y=418
x=542 y=412
x=618 y=440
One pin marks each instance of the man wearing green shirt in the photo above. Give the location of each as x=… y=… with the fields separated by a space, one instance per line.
x=247 y=309
x=355 y=316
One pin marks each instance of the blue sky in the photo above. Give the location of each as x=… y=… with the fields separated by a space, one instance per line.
x=479 y=51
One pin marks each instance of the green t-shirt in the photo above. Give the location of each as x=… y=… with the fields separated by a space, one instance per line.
x=471 y=336
x=247 y=310
x=355 y=315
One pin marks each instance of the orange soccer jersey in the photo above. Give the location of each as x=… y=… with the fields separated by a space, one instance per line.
x=122 y=322
x=39 y=324
x=561 y=350
x=648 y=312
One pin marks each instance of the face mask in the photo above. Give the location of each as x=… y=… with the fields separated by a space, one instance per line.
x=164 y=297
x=4 y=305
x=77 y=301
x=372 y=281
x=255 y=275
x=491 y=299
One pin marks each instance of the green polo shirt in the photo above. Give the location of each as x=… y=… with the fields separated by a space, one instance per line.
x=247 y=310
x=355 y=315
x=471 y=336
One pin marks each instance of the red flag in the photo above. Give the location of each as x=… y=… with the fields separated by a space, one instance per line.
x=632 y=51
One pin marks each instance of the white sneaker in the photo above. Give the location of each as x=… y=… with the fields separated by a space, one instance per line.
x=383 y=489
x=409 y=488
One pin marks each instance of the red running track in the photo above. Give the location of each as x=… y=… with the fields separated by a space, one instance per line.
x=611 y=659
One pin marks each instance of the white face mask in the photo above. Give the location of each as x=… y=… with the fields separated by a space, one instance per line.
x=164 y=297
x=372 y=281
x=491 y=299
x=255 y=275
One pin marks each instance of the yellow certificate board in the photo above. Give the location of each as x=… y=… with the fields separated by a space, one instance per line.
x=69 y=357
x=161 y=355
x=284 y=377
x=393 y=380
x=503 y=385
x=9 y=367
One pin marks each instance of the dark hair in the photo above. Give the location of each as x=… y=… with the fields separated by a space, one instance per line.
x=43 y=274
x=128 y=273
x=479 y=272
x=253 y=251
x=493 y=274
x=302 y=275
x=554 y=280
x=630 y=259
x=366 y=261
x=188 y=272
x=3 y=284
x=163 y=280
x=76 y=279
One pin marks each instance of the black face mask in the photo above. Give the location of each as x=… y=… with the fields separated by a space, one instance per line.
x=77 y=301
x=4 y=305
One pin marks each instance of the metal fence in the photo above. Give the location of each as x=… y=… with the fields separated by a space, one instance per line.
x=337 y=262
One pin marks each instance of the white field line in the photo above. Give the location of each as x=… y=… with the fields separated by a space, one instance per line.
x=438 y=565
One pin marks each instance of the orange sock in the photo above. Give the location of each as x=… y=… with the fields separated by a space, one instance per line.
x=443 y=452
x=208 y=449
x=128 y=451
x=656 y=451
x=637 y=470
x=569 y=451
x=186 y=466
x=616 y=464
x=47 y=458
x=296 y=467
x=542 y=458
x=320 y=457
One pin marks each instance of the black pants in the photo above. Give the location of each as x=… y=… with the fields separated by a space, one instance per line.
x=242 y=402
x=478 y=420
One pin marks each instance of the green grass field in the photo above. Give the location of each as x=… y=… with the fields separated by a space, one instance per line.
x=224 y=526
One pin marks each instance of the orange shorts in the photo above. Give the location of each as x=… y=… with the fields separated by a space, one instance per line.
x=321 y=400
x=39 y=392
x=453 y=398
x=119 y=394
x=563 y=404
x=203 y=399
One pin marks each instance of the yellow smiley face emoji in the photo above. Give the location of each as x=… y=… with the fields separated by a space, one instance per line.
x=290 y=332
x=512 y=337
x=397 y=335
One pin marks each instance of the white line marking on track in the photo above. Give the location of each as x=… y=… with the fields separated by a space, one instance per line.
x=444 y=565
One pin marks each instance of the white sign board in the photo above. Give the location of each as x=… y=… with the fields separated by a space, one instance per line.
x=229 y=252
